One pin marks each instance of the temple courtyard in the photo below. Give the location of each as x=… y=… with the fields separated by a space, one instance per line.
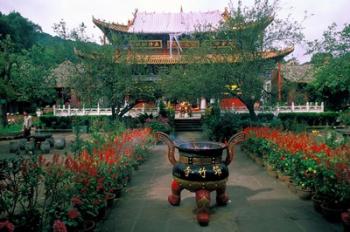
x=258 y=202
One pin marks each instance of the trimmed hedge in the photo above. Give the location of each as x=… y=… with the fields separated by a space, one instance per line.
x=262 y=117
x=311 y=119
x=55 y=122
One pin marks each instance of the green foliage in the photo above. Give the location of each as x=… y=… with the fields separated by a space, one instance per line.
x=257 y=146
x=22 y=31
x=249 y=31
x=11 y=129
x=25 y=63
x=54 y=122
x=333 y=139
x=276 y=123
x=159 y=126
x=345 y=118
x=309 y=119
x=103 y=77
x=30 y=78
x=221 y=128
x=332 y=65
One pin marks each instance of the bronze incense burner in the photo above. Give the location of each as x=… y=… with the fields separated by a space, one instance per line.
x=200 y=169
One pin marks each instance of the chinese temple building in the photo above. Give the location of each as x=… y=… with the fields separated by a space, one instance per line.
x=155 y=40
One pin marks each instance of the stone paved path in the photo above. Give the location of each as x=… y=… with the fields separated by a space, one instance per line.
x=258 y=203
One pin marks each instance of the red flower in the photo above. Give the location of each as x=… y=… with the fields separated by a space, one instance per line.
x=99 y=187
x=7 y=225
x=73 y=213
x=76 y=201
x=59 y=226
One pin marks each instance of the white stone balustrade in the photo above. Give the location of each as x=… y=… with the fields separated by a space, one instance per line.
x=68 y=111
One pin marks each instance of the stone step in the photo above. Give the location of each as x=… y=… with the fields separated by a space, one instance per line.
x=188 y=125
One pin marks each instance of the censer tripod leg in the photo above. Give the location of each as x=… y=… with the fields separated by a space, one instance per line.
x=175 y=197
x=203 y=204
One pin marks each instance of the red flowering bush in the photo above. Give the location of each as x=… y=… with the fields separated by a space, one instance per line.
x=73 y=188
x=312 y=165
x=7 y=226
x=59 y=226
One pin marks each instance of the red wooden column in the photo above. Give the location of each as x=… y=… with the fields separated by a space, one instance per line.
x=279 y=82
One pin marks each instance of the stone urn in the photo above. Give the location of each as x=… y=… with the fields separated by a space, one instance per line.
x=45 y=147
x=201 y=169
x=59 y=143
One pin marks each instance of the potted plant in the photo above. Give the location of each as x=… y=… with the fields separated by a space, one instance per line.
x=345 y=217
x=6 y=226
x=72 y=219
x=335 y=189
x=10 y=195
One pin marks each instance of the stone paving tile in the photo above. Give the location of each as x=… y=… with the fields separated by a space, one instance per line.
x=258 y=202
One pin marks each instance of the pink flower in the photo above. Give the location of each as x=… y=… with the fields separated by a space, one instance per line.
x=73 y=213
x=59 y=226
x=76 y=201
x=7 y=225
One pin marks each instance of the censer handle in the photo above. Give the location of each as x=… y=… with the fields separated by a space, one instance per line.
x=235 y=139
x=160 y=136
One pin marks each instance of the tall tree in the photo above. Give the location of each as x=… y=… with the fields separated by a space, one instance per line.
x=16 y=34
x=331 y=59
x=103 y=78
x=251 y=32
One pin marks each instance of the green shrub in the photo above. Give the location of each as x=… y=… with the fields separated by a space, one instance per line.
x=345 y=118
x=159 y=126
x=311 y=119
x=11 y=129
x=221 y=128
x=54 y=122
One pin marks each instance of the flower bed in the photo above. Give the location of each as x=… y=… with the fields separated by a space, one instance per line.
x=66 y=192
x=312 y=166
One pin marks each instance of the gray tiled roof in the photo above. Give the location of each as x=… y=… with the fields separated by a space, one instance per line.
x=294 y=72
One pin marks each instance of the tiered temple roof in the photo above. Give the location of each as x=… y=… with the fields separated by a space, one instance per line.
x=159 y=34
x=166 y=23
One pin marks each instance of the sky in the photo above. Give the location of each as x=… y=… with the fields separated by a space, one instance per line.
x=321 y=13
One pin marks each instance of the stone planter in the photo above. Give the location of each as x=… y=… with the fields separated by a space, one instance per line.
x=59 y=143
x=89 y=226
x=45 y=147
x=118 y=191
x=345 y=217
x=285 y=179
x=303 y=193
x=259 y=161
x=332 y=212
x=292 y=187
x=110 y=199
x=271 y=171
x=101 y=213
x=317 y=202
x=51 y=141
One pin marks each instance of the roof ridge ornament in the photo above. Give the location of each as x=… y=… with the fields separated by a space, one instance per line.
x=226 y=14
